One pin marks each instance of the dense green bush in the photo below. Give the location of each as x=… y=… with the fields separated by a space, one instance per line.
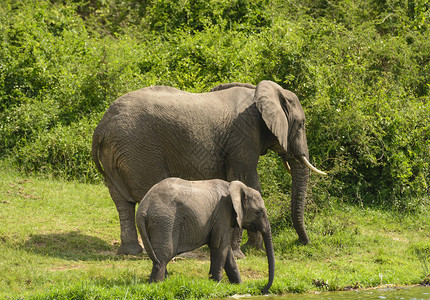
x=360 y=68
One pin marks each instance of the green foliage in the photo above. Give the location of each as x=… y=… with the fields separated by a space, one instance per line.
x=68 y=147
x=375 y=115
x=165 y=15
x=422 y=252
x=360 y=68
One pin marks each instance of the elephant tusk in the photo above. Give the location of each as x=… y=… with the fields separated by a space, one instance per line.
x=310 y=166
x=287 y=166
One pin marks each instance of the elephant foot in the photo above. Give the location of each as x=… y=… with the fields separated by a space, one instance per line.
x=304 y=240
x=130 y=249
x=238 y=254
x=159 y=272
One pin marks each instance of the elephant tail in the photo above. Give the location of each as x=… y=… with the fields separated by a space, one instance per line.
x=106 y=164
x=95 y=150
x=141 y=225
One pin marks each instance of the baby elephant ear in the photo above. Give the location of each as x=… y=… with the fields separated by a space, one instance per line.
x=237 y=192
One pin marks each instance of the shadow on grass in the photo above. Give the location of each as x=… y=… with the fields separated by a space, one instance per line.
x=71 y=246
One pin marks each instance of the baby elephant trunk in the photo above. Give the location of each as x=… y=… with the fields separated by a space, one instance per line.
x=267 y=238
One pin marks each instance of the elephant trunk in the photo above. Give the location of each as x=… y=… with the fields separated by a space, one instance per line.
x=300 y=177
x=267 y=238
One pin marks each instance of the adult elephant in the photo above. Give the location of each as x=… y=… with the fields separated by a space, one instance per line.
x=159 y=132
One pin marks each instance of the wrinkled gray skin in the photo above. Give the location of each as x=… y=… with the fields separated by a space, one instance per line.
x=159 y=132
x=178 y=216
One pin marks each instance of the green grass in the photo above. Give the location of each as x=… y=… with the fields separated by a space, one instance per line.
x=58 y=241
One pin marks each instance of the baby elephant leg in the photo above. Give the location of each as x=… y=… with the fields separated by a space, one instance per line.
x=231 y=268
x=164 y=251
x=224 y=259
x=158 y=273
x=218 y=257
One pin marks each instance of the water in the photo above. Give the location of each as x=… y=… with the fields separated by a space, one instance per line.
x=411 y=293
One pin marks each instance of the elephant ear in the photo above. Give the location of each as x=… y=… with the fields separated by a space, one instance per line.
x=237 y=192
x=269 y=98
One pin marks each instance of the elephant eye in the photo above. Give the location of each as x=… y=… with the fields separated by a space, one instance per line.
x=302 y=125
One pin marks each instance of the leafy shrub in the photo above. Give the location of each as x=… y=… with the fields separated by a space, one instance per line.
x=61 y=152
x=360 y=69
x=165 y=15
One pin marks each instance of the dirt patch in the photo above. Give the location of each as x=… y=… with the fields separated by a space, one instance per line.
x=66 y=268
x=247 y=272
x=17 y=189
x=198 y=254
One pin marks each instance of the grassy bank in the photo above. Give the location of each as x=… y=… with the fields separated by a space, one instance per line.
x=58 y=241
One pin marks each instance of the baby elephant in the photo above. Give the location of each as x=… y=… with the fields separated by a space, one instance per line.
x=177 y=216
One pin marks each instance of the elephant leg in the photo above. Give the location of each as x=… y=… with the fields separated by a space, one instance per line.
x=218 y=259
x=126 y=211
x=231 y=268
x=159 y=272
x=164 y=247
